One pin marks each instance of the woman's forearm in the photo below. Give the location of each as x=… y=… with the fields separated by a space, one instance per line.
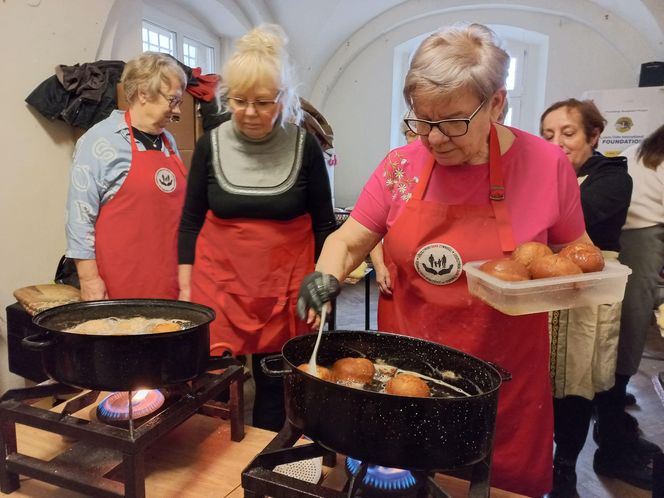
x=184 y=282
x=92 y=285
x=345 y=249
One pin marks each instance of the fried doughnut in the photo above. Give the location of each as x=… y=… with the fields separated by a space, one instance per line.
x=506 y=269
x=360 y=370
x=408 y=385
x=166 y=327
x=528 y=251
x=553 y=265
x=321 y=372
x=586 y=256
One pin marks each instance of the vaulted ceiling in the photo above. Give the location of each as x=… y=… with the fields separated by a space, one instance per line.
x=319 y=30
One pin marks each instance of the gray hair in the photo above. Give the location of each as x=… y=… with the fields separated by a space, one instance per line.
x=147 y=72
x=409 y=114
x=456 y=57
x=260 y=58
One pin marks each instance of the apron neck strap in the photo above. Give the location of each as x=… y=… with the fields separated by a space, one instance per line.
x=496 y=190
x=497 y=193
x=418 y=192
x=167 y=143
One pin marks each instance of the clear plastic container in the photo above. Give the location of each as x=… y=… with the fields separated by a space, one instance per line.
x=548 y=294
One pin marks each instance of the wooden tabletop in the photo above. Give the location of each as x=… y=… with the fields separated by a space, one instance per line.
x=197 y=459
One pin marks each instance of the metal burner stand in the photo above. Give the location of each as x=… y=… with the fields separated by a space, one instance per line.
x=259 y=479
x=102 y=449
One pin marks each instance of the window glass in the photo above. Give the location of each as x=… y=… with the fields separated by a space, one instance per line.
x=158 y=39
x=197 y=54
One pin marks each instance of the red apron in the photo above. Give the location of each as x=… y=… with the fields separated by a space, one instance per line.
x=424 y=251
x=249 y=271
x=137 y=230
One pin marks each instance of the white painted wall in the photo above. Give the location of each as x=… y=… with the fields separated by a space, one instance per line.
x=36 y=152
x=35 y=36
x=355 y=91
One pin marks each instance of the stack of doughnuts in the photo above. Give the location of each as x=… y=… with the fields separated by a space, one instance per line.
x=536 y=260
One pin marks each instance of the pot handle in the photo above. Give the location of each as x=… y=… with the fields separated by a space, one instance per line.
x=37 y=342
x=271 y=359
x=505 y=375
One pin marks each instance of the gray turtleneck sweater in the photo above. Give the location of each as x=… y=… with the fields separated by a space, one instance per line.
x=279 y=177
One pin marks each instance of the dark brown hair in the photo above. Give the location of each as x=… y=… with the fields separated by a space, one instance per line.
x=590 y=116
x=651 y=150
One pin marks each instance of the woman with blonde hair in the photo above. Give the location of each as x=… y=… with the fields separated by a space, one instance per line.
x=127 y=189
x=257 y=211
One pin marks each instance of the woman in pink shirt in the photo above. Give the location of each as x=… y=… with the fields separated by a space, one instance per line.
x=470 y=189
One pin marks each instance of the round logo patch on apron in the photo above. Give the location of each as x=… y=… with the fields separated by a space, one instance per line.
x=165 y=180
x=438 y=264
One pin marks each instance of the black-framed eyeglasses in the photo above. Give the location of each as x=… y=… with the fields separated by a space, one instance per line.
x=455 y=127
x=260 y=105
x=173 y=100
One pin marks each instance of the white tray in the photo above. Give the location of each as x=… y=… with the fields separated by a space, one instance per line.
x=548 y=294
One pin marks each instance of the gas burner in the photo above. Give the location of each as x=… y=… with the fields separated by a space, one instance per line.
x=114 y=408
x=358 y=479
x=111 y=447
x=385 y=481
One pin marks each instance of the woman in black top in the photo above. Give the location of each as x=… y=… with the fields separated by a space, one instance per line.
x=258 y=209
x=585 y=340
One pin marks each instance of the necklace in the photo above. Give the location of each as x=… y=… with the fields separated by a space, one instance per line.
x=154 y=141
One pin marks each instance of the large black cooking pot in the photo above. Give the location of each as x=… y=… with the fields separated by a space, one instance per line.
x=123 y=362
x=435 y=433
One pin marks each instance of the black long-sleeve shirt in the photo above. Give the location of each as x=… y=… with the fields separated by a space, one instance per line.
x=309 y=194
x=606 y=191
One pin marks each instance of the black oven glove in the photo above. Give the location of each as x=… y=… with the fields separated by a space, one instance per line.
x=316 y=290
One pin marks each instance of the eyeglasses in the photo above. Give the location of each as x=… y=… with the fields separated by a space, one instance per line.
x=260 y=105
x=173 y=100
x=456 y=127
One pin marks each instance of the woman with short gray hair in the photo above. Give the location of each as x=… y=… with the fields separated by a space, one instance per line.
x=469 y=189
x=127 y=188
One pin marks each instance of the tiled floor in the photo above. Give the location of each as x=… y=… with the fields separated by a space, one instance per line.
x=649 y=410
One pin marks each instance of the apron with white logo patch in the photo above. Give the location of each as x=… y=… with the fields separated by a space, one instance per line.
x=137 y=230
x=424 y=252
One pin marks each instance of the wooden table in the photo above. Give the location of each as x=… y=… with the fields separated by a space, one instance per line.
x=197 y=459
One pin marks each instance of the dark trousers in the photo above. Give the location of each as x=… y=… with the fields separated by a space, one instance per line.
x=269 y=412
x=571 y=420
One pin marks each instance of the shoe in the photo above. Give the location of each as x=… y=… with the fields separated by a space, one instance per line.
x=631 y=435
x=626 y=465
x=629 y=399
x=564 y=482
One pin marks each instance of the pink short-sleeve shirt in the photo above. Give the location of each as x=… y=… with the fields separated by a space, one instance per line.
x=541 y=189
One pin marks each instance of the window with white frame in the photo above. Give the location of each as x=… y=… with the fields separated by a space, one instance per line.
x=514 y=83
x=158 y=39
x=197 y=54
x=190 y=52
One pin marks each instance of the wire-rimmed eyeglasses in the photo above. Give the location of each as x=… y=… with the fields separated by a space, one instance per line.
x=173 y=100
x=455 y=127
x=260 y=105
